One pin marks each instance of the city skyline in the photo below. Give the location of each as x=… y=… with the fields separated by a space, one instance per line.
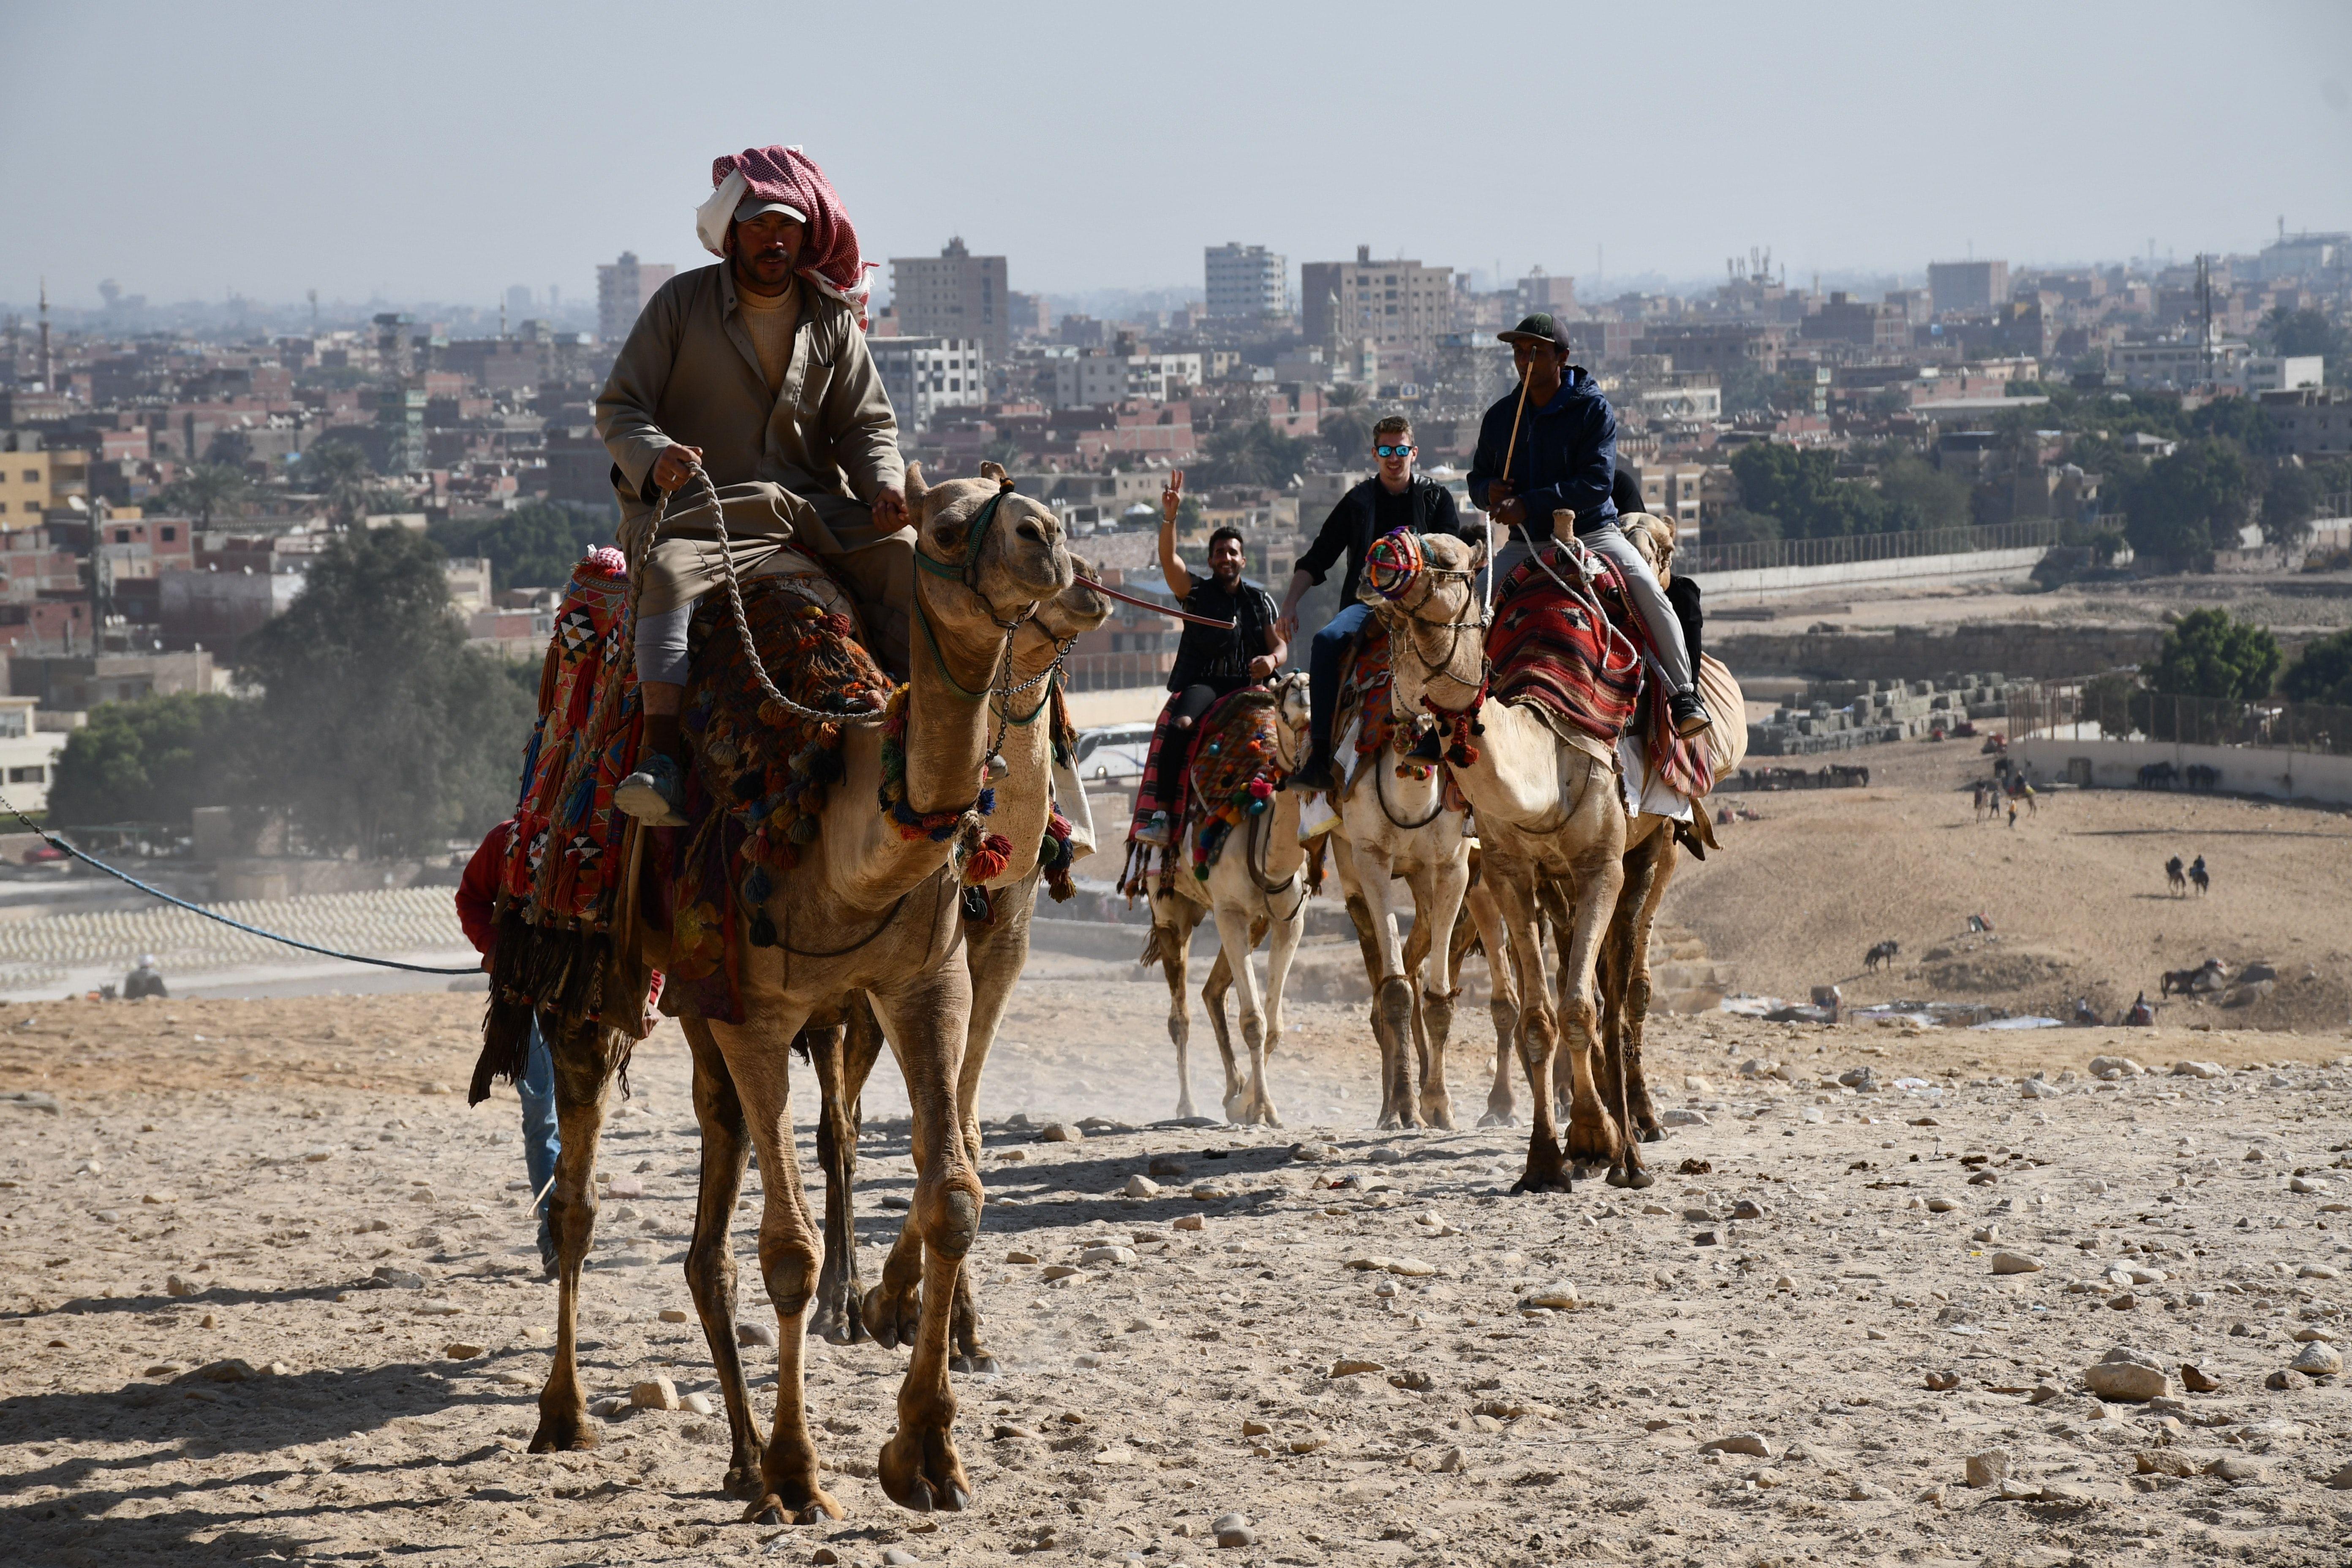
x=1921 y=147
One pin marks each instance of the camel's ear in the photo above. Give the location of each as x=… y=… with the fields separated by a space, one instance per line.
x=989 y=470
x=916 y=487
x=1478 y=548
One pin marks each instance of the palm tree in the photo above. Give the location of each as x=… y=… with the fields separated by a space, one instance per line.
x=207 y=490
x=338 y=472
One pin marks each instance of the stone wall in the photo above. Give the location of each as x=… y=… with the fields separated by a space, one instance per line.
x=2022 y=650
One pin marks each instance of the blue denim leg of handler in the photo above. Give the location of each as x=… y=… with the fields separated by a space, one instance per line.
x=1323 y=669
x=540 y=1140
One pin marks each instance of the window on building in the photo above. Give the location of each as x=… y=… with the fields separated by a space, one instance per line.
x=29 y=775
x=122 y=536
x=32 y=475
x=170 y=535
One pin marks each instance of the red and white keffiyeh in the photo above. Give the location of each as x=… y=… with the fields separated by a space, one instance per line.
x=829 y=258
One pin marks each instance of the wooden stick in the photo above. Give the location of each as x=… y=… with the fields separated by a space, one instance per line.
x=1512 y=451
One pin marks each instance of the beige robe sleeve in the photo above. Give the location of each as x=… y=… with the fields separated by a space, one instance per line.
x=859 y=423
x=624 y=409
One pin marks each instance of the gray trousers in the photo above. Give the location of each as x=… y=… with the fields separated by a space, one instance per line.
x=1649 y=600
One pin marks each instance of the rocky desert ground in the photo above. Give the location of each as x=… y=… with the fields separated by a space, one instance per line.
x=267 y=1293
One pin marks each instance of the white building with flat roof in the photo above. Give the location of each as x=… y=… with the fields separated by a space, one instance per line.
x=923 y=376
x=1247 y=281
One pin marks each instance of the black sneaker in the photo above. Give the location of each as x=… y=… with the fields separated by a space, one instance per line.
x=1313 y=774
x=1690 y=714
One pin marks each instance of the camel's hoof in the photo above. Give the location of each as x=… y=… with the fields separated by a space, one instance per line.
x=892 y=1331
x=1544 y=1181
x=743 y=1481
x=563 y=1435
x=1638 y=1179
x=838 y=1322
x=982 y=1364
x=1498 y=1119
x=920 y=1471
x=1653 y=1135
x=768 y=1508
x=1617 y=1177
x=1440 y=1117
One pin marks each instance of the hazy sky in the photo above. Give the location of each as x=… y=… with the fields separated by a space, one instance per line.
x=443 y=151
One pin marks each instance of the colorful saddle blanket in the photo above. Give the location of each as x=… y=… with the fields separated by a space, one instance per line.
x=560 y=864
x=1228 y=772
x=1546 y=646
x=760 y=778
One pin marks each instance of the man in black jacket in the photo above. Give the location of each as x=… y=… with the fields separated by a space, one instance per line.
x=1391 y=499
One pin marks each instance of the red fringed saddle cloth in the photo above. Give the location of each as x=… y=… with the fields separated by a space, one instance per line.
x=559 y=888
x=1547 y=646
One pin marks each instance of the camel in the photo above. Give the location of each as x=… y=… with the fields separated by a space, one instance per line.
x=1392 y=828
x=996 y=948
x=1258 y=886
x=869 y=909
x=1547 y=805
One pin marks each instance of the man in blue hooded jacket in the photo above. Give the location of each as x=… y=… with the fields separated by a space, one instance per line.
x=1565 y=461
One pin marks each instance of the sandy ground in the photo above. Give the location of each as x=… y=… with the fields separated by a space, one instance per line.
x=2075 y=893
x=271 y=1156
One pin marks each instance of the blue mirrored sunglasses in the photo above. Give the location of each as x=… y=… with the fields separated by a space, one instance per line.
x=1405 y=451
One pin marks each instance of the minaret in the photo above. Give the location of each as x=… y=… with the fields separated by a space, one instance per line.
x=49 y=367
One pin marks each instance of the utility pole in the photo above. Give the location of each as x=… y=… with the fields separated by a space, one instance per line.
x=2205 y=306
x=48 y=365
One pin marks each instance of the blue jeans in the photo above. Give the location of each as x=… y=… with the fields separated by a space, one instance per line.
x=1323 y=671
x=540 y=1142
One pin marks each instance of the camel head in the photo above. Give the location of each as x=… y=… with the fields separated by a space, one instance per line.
x=1076 y=609
x=1292 y=711
x=1436 y=641
x=1654 y=536
x=1021 y=560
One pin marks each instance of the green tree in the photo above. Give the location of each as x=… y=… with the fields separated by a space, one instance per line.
x=2207 y=654
x=1747 y=389
x=1253 y=452
x=2323 y=673
x=534 y=546
x=154 y=759
x=2286 y=331
x=1800 y=486
x=1936 y=499
x=1737 y=525
x=384 y=733
x=2192 y=503
x=206 y=491
x=234 y=448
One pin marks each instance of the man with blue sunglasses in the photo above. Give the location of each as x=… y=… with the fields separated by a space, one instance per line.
x=1393 y=498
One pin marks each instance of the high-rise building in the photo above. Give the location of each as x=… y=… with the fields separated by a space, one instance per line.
x=955 y=294
x=1402 y=306
x=922 y=375
x=1967 y=287
x=1247 y=281
x=622 y=289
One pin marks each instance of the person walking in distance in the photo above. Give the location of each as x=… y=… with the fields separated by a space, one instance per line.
x=1393 y=498
x=1551 y=448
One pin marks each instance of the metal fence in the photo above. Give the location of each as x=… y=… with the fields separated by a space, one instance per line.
x=1848 y=548
x=2116 y=708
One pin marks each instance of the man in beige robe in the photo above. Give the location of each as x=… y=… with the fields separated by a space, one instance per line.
x=748 y=374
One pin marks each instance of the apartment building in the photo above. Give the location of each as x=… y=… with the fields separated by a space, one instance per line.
x=1967 y=288
x=623 y=287
x=1096 y=380
x=1246 y=282
x=955 y=294
x=923 y=376
x=1403 y=307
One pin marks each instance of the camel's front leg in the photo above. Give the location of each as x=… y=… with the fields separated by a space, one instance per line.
x=1281 y=953
x=1514 y=898
x=583 y=1084
x=1637 y=992
x=925 y=1018
x=1502 y=1000
x=1392 y=986
x=710 y=1259
x=1213 y=991
x=1599 y=874
x=1244 y=1102
x=994 y=955
x=1437 y=891
x=1171 y=935
x=757 y=1054
x=843 y=1056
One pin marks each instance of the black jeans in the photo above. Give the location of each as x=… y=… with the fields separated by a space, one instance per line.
x=1174 y=740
